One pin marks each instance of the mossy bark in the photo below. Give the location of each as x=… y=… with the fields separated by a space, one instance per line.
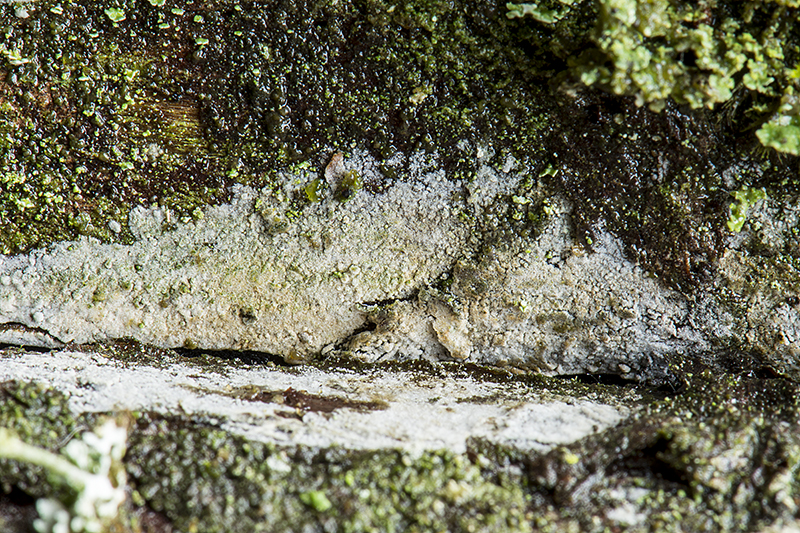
x=109 y=108
x=718 y=454
x=173 y=104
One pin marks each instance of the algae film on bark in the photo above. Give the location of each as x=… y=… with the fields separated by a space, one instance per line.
x=171 y=105
x=142 y=103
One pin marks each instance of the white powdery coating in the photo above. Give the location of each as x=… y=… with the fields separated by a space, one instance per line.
x=422 y=412
x=227 y=281
x=552 y=307
x=256 y=275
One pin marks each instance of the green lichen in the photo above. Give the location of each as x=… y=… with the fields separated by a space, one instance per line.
x=413 y=100
x=349 y=185
x=317 y=500
x=121 y=123
x=114 y=14
x=89 y=466
x=314 y=190
x=720 y=456
x=719 y=453
x=782 y=131
x=746 y=197
x=70 y=129
x=537 y=12
x=261 y=487
x=699 y=54
x=39 y=416
x=529 y=208
x=667 y=49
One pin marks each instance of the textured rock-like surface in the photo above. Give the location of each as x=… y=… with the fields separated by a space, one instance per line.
x=396 y=182
x=424 y=269
x=552 y=307
x=232 y=280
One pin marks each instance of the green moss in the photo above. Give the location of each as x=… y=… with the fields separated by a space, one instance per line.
x=261 y=487
x=718 y=454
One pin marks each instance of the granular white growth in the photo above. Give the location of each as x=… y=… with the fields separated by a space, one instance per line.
x=420 y=267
